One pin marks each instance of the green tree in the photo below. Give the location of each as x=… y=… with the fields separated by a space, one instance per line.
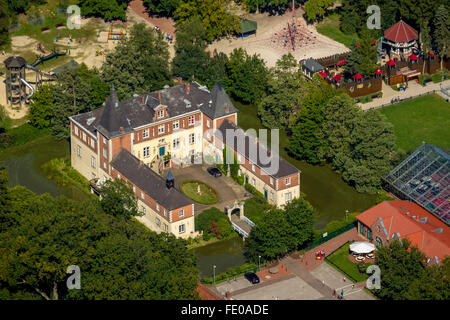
x=284 y=93
x=4 y=198
x=41 y=112
x=442 y=32
x=119 y=199
x=425 y=42
x=214 y=70
x=400 y=265
x=190 y=55
x=107 y=9
x=4 y=23
x=213 y=14
x=162 y=7
x=303 y=143
x=301 y=217
x=247 y=76
x=433 y=285
x=316 y=8
x=138 y=64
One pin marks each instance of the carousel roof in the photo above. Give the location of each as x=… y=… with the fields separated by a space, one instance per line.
x=391 y=63
x=401 y=32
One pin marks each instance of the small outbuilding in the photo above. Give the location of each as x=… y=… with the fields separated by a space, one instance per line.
x=248 y=27
x=311 y=66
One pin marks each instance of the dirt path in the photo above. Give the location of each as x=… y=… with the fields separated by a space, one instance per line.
x=269 y=40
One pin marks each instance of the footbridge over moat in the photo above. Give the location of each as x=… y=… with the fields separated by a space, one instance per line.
x=241 y=223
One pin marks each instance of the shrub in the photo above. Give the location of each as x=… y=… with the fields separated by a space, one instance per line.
x=437 y=77
x=253 y=191
x=213 y=223
x=6 y=140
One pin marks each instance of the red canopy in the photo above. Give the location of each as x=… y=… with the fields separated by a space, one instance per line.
x=342 y=62
x=357 y=44
x=413 y=57
x=378 y=71
x=337 y=77
x=357 y=76
x=431 y=55
x=391 y=63
x=323 y=74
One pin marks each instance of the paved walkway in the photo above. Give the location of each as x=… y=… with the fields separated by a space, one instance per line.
x=414 y=89
x=306 y=276
x=309 y=261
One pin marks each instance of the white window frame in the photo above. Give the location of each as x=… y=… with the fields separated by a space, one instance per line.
x=192 y=138
x=181 y=213
x=254 y=182
x=157 y=207
x=105 y=154
x=161 y=129
x=92 y=144
x=84 y=137
x=253 y=167
x=158 y=222
x=288 y=181
x=145 y=133
x=146 y=152
x=176 y=143
x=104 y=165
x=143 y=209
x=79 y=150
x=142 y=196
x=208 y=123
x=76 y=130
x=271 y=181
x=287 y=196
x=181 y=228
x=134 y=189
x=161 y=114
x=93 y=162
x=191 y=120
x=176 y=125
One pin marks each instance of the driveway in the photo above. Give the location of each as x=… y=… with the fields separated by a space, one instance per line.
x=228 y=190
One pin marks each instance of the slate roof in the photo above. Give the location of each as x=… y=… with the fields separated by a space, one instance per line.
x=133 y=113
x=401 y=32
x=284 y=167
x=312 y=65
x=147 y=180
x=15 y=62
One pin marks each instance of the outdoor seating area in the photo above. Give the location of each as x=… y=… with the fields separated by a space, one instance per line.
x=362 y=251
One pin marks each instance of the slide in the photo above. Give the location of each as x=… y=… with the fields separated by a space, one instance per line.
x=41 y=48
x=29 y=87
x=48 y=57
x=37 y=70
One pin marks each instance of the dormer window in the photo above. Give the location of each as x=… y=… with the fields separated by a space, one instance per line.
x=160 y=113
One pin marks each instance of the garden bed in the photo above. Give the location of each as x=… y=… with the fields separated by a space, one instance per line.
x=207 y=194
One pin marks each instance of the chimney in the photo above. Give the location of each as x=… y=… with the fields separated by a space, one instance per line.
x=159 y=96
x=188 y=88
x=227 y=109
x=121 y=129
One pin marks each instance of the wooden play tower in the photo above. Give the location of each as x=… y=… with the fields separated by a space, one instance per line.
x=15 y=81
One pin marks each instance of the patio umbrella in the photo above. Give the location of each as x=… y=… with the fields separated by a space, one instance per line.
x=378 y=71
x=362 y=247
x=431 y=55
x=337 y=77
x=391 y=63
x=323 y=74
x=341 y=63
x=413 y=57
x=357 y=76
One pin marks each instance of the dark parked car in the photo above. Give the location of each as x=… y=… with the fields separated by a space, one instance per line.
x=215 y=172
x=252 y=277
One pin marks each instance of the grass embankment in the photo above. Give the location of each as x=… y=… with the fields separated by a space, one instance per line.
x=330 y=27
x=21 y=135
x=60 y=171
x=340 y=261
x=425 y=118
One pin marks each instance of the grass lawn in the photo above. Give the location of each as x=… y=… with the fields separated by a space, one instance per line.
x=426 y=118
x=339 y=260
x=207 y=194
x=330 y=27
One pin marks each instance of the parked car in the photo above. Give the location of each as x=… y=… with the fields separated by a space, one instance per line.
x=252 y=277
x=214 y=172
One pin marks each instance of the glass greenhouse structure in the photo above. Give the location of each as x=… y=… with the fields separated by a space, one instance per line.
x=424 y=178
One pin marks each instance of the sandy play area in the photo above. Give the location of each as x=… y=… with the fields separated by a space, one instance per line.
x=269 y=41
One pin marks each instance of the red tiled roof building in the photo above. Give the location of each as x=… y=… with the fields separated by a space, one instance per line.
x=400 y=39
x=405 y=219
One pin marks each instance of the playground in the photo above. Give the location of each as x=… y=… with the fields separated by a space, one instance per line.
x=279 y=35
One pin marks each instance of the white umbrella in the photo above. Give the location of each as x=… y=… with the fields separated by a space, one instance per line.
x=362 y=247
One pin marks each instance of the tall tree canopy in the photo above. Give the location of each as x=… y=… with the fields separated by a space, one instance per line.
x=358 y=144
x=316 y=8
x=162 y=7
x=281 y=231
x=214 y=15
x=119 y=199
x=138 y=64
x=283 y=93
x=247 y=76
x=4 y=23
x=107 y=9
x=118 y=258
x=190 y=55
x=442 y=32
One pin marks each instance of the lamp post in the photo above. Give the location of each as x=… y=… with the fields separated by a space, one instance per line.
x=346 y=215
x=214 y=274
x=259 y=263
